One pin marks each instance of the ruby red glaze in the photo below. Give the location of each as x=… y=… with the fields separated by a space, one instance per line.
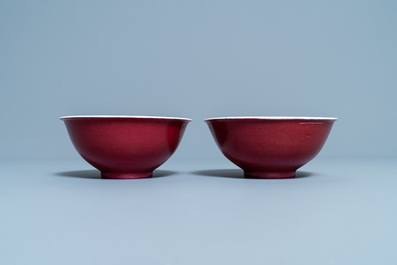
x=270 y=147
x=125 y=146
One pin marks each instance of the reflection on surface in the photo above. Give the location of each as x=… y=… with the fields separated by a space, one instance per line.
x=238 y=173
x=95 y=174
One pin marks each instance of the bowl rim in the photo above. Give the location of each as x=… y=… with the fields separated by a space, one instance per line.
x=281 y=118
x=72 y=117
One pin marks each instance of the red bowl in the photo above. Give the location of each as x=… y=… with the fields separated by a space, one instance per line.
x=125 y=147
x=270 y=147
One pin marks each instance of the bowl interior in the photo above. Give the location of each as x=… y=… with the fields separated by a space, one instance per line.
x=280 y=118
x=121 y=117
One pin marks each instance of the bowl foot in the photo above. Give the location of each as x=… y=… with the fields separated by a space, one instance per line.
x=117 y=175
x=270 y=175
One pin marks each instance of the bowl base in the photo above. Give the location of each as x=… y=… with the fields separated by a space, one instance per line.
x=117 y=175
x=270 y=175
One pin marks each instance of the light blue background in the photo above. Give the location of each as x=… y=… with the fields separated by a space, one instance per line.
x=198 y=59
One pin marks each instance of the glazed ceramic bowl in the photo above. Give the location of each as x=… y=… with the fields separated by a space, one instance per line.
x=125 y=147
x=270 y=147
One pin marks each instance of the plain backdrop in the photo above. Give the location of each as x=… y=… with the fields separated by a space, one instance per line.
x=198 y=59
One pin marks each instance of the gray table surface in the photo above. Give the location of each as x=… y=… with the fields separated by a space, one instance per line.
x=337 y=211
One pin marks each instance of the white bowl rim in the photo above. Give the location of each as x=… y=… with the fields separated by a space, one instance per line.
x=273 y=118
x=122 y=116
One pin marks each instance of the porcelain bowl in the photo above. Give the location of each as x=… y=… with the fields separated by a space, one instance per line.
x=125 y=147
x=270 y=147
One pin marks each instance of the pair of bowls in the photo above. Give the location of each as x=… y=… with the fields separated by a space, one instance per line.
x=127 y=147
